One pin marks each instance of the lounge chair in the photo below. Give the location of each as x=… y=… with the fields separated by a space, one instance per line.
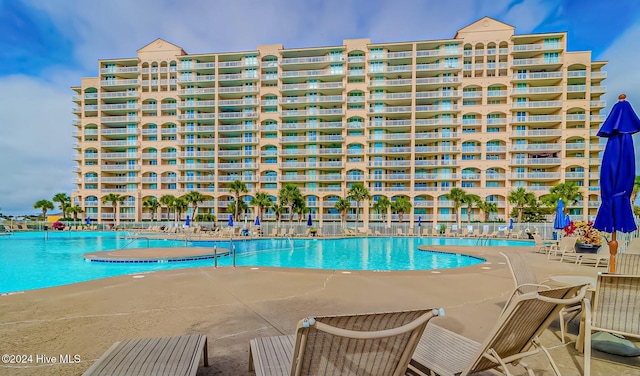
x=541 y=246
x=23 y=227
x=377 y=233
x=153 y=356
x=494 y=234
x=601 y=258
x=615 y=310
x=410 y=231
x=367 y=344
x=472 y=233
x=526 y=282
x=628 y=263
x=274 y=232
x=426 y=231
x=399 y=232
x=283 y=232
x=565 y=245
x=514 y=337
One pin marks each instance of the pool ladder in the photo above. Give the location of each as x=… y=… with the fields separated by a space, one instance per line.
x=133 y=240
x=484 y=240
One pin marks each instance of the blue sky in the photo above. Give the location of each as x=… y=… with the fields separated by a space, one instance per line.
x=47 y=46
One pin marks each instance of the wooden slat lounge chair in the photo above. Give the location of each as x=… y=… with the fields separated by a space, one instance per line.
x=628 y=263
x=514 y=337
x=170 y=356
x=368 y=344
x=615 y=310
x=399 y=232
x=526 y=282
x=426 y=231
x=377 y=233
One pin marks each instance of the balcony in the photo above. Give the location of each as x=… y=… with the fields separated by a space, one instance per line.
x=398 y=82
x=536 y=147
x=197 y=91
x=536 y=175
x=535 y=161
x=204 y=116
x=315 y=125
x=196 y=104
x=538 y=132
x=127 y=167
x=536 y=47
x=119 y=119
x=129 y=82
x=537 y=76
x=390 y=109
x=312 y=86
x=537 y=90
x=237 y=115
x=122 y=143
x=537 y=119
x=311 y=73
x=307 y=60
x=437 y=80
x=537 y=62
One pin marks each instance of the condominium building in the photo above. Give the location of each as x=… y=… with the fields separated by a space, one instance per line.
x=486 y=111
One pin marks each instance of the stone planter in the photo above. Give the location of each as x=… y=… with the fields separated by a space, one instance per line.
x=587 y=248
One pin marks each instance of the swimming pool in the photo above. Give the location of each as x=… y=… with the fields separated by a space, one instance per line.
x=28 y=261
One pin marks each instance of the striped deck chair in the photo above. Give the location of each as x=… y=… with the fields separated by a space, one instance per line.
x=514 y=337
x=526 y=282
x=628 y=263
x=367 y=344
x=613 y=310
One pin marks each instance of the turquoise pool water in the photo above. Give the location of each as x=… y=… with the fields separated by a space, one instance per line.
x=28 y=261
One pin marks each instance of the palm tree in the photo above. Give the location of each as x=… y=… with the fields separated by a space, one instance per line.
x=358 y=192
x=288 y=195
x=300 y=208
x=64 y=201
x=343 y=205
x=167 y=200
x=521 y=198
x=487 y=208
x=456 y=195
x=239 y=207
x=193 y=198
x=262 y=201
x=237 y=187
x=75 y=210
x=278 y=210
x=114 y=199
x=401 y=205
x=179 y=205
x=569 y=192
x=381 y=206
x=470 y=200
x=152 y=204
x=45 y=205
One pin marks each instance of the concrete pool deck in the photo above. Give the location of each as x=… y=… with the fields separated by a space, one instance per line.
x=231 y=306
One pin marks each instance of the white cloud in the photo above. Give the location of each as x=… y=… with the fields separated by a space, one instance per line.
x=528 y=14
x=623 y=75
x=35 y=147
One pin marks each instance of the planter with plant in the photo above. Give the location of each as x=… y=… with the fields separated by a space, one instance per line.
x=442 y=228
x=588 y=240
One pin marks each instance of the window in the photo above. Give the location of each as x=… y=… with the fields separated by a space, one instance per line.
x=468 y=184
x=492 y=184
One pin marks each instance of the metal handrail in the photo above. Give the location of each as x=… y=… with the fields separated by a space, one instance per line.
x=133 y=240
